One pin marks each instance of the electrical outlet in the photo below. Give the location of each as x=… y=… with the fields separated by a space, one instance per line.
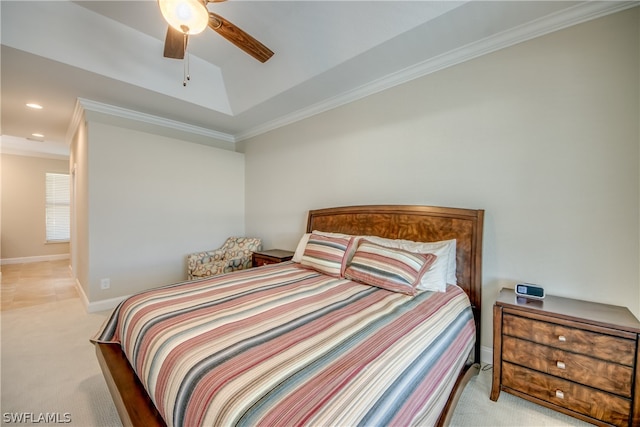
x=105 y=283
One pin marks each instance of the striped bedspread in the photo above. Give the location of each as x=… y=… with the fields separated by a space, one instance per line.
x=284 y=345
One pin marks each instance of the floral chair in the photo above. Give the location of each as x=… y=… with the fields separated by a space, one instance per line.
x=234 y=255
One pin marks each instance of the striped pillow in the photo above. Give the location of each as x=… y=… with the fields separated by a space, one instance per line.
x=393 y=269
x=326 y=254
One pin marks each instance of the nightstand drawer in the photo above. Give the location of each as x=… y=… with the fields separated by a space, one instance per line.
x=602 y=346
x=584 y=400
x=259 y=261
x=592 y=372
x=272 y=256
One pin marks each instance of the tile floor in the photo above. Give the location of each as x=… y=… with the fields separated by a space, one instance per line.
x=24 y=285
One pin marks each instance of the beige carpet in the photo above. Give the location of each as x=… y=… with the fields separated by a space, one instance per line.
x=49 y=366
x=49 y=369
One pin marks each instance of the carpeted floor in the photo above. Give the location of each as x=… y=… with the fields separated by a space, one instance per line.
x=49 y=366
x=49 y=369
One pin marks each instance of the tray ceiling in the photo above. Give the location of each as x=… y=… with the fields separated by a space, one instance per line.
x=327 y=53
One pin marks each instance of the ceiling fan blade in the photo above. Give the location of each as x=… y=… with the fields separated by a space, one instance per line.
x=174 y=44
x=238 y=37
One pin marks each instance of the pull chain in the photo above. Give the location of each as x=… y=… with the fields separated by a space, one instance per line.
x=186 y=76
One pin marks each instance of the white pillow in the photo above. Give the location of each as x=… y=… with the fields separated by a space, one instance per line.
x=442 y=272
x=297 y=255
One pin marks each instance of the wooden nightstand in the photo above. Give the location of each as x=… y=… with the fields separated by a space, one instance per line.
x=272 y=256
x=576 y=357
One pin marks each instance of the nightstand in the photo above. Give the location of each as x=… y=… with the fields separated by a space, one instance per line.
x=272 y=256
x=576 y=357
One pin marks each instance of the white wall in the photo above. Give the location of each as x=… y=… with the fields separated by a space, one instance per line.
x=543 y=136
x=151 y=201
x=79 y=167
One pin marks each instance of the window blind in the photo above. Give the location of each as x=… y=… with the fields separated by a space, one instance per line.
x=58 y=214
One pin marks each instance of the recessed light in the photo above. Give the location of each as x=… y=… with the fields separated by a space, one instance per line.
x=37 y=135
x=34 y=106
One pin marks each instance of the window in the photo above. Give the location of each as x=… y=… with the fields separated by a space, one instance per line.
x=58 y=214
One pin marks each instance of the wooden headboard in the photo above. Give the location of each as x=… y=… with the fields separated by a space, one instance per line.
x=422 y=224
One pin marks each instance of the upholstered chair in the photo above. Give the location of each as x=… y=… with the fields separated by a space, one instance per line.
x=234 y=254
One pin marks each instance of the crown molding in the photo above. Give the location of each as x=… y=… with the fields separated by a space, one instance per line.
x=578 y=14
x=83 y=105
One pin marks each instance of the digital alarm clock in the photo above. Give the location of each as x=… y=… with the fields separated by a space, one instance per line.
x=529 y=290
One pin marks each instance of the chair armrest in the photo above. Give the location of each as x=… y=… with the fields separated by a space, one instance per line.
x=235 y=254
x=200 y=258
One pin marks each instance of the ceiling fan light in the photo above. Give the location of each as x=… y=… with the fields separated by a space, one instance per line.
x=186 y=16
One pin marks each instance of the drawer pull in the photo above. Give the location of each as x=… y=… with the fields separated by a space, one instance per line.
x=559 y=394
x=562 y=338
x=560 y=365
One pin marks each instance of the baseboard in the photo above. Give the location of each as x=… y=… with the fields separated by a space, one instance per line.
x=28 y=259
x=105 y=304
x=102 y=305
x=486 y=355
x=83 y=296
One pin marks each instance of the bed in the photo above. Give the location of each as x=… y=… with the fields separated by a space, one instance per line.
x=319 y=340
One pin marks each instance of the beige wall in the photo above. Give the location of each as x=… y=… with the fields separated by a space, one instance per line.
x=23 y=208
x=145 y=201
x=542 y=135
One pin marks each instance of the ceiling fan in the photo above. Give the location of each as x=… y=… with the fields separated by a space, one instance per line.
x=188 y=17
